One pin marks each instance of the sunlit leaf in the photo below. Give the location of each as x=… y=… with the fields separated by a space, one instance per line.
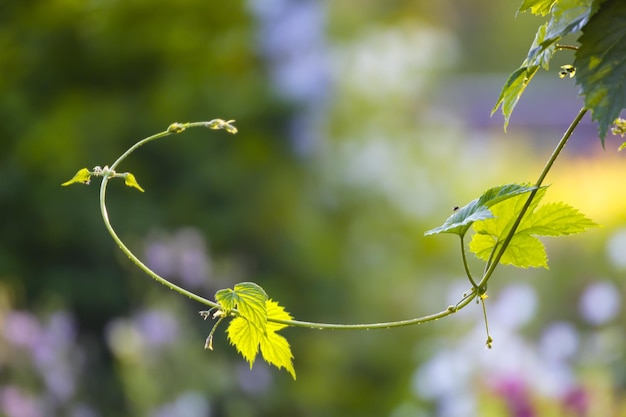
x=129 y=180
x=246 y=337
x=461 y=220
x=537 y=7
x=601 y=64
x=275 y=348
x=566 y=17
x=525 y=250
x=276 y=351
x=512 y=91
x=249 y=299
x=83 y=176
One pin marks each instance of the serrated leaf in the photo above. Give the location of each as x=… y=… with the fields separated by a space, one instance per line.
x=568 y=16
x=249 y=299
x=276 y=351
x=83 y=176
x=525 y=250
x=541 y=50
x=537 y=7
x=130 y=181
x=246 y=337
x=461 y=220
x=512 y=91
x=601 y=64
x=275 y=348
x=556 y=219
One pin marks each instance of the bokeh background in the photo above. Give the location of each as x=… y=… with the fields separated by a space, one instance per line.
x=362 y=124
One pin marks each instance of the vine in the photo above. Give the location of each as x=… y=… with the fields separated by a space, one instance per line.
x=505 y=220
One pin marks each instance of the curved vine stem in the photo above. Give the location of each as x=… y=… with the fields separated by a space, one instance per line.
x=505 y=243
x=477 y=289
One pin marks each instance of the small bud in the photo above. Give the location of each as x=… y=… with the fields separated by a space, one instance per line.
x=619 y=127
x=489 y=342
x=176 y=128
x=567 y=70
x=222 y=124
x=208 y=344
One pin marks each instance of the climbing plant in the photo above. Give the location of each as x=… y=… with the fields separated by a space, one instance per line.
x=501 y=226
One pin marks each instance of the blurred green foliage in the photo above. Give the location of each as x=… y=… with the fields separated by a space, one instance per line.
x=334 y=236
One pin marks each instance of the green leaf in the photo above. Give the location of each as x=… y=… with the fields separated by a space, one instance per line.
x=537 y=7
x=541 y=50
x=130 y=181
x=478 y=209
x=567 y=16
x=274 y=347
x=601 y=64
x=525 y=250
x=512 y=91
x=249 y=299
x=248 y=338
x=83 y=176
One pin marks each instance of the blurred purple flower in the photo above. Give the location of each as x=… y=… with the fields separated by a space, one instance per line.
x=188 y=404
x=513 y=390
x=576 y=401
x=182 y=255
x=600 y=302
x=14 y=403
x=21 y=329
x=157 y=327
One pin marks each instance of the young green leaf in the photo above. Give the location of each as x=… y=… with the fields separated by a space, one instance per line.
x=83 y=176
x=130 y=181
x=461 y=220
x=249 y=299
x=512 y=91
x=248 y=338
x=525 y=250
x=274 y=347
x=567 y=16
x=601 y=64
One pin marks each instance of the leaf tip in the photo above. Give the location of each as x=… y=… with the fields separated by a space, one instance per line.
x=83 y=176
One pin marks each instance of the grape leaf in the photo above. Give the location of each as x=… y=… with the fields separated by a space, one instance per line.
x=248 y=338
x=249 y=299
x=525 y=250
x=567 y=16
x=461 y=220
x=274 y=347
x=512 y=91
x=601 y=64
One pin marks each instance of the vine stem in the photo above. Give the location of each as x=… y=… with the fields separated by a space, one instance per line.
x=120 y=243
x=215 y=124
x=507 y=240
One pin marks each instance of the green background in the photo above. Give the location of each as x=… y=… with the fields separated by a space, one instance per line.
x=361 y=125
